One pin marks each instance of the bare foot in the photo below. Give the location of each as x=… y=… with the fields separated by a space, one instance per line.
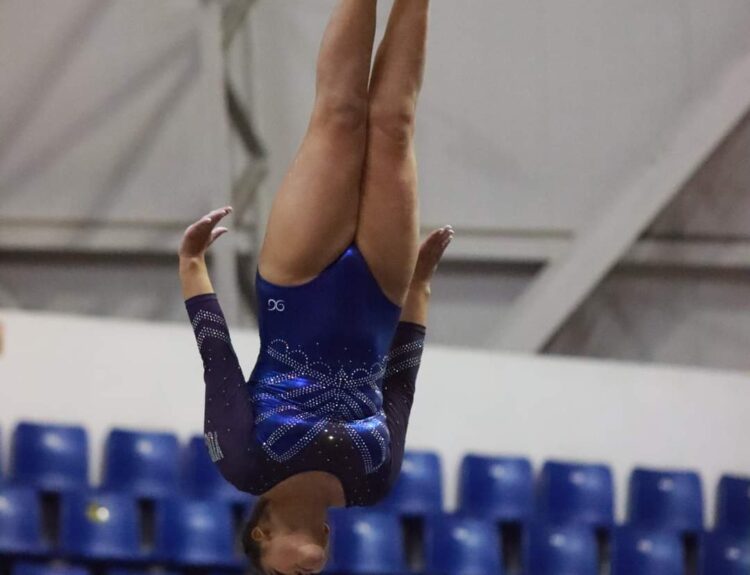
x=430 y=254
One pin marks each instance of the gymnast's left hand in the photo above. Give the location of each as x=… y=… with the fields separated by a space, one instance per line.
x=199 y=236
x=430 y=253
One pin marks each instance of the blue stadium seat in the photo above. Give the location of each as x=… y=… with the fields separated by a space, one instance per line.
x=496 y=488
x=51 y=458
x=666 y=500
x=576 y=493
x=560 y=550
x=42 y=569
x=457 y=545
x=145 y=464
x=419 y=489
x=733 y=504
x=725 y=553
x=20 y=522
x=365 y=541
x=202 y=479
x=100 y=526
x=645 y=552
x=121 y=571
x=195 y=533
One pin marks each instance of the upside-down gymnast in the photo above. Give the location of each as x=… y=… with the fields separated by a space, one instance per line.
x=342 y=288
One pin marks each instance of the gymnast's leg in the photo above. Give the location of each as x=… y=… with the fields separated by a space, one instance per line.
x=314 y=216
x=388 y=230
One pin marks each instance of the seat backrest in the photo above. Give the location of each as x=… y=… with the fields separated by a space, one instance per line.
x=560 y=550
x=733 y=504
x=419 y=489
x=496 y=488
x=666 y=500
x=51 y=458
x=366 y=541
x=725 y=553
x=646 y=552
x=143 y=463
x=459 y=545
x=24 y=568
x=202 y=479
x=576 y=493
x=137 y=571
x=20 y=521
x=195 y=532
x=140 y=571
x=100 y=526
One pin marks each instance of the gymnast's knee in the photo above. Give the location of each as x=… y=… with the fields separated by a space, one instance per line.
x=344 y=113
x=395 y=123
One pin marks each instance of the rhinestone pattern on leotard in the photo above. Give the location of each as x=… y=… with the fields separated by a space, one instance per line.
x=290 y=414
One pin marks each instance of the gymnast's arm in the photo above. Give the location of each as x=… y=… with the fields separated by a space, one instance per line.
x=405 y=356
x=228 y=420
x=399 y=387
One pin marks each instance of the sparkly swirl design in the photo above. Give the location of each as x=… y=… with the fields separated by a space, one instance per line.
x=301 y=398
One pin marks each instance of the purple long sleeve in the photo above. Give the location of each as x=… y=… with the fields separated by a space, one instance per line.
x=228 y=422
x=399 y=387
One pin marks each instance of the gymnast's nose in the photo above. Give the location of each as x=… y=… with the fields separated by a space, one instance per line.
x=312 y=558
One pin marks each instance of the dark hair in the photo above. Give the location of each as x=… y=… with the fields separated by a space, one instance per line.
x=251 y=546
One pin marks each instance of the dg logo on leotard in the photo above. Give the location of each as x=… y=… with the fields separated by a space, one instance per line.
x=276 y=305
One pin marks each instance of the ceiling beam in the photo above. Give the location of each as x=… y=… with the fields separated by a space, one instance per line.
x=565 y=283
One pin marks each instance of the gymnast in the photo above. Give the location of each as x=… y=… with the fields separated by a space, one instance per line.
x=342 y=290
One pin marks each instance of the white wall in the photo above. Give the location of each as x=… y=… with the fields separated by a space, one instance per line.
x=105 y=373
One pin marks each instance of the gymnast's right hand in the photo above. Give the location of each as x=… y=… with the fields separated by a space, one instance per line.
x=199 y=236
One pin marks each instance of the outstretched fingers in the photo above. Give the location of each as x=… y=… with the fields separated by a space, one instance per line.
x=209 y=221
x=431 y=252
x=214 y=217
x=439 y=239
x=200 y=235
x=434 y=246
x=217 y=233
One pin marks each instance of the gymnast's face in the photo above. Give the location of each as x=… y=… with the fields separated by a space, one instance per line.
x=287 y=552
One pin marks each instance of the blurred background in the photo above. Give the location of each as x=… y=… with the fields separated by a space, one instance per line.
x=592 y=156
x=602 y=148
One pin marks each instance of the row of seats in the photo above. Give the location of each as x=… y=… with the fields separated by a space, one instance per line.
x=107 y=524
x=29 y=568
x=151 y=465
x=108 y=527
x=503 y=490
x=55 y=459
x=100 y=529
x=367 y=542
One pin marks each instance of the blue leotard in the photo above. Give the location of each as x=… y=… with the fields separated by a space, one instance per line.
x=323 y=357
x=332 y=388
